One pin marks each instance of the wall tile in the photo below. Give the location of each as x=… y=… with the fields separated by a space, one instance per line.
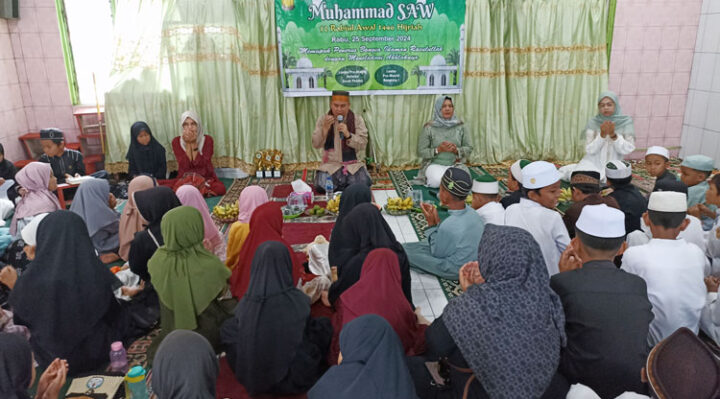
x=25 y=94
x=614 y=81
x=628 y=104
x=40 y=93
x=650 y=61
x=683 y=60
x=691 y=140
x=680 y=83
x=28 y=21
x=5 y=46
x=51 y=44
x=646 y=85
x=47 y=20
x=706 y=70
x=677 y=105
x=663 y=83
x=20 y=70
x=44 y=116
x=674 y=126
x=700 y=33
x=670 y=37
x=55 y=68
x=16 y=45
x=713 y=7
x=711 y=39
x=617 y=61
x=666 y=60
x=619 y=37
x=672 y=142
x=60 y=95
x=652 y=38
x=698 y=111
x=63 y=118
x=643 y=106
x=709 y=143
x=634 y=38
x=657 y=128
x=629 y=85
x=713 y=114
x=687 y=37
x=32 y=122
x=31 y=45
x=642 y=127
x=633 y=61
x=36 y=71
x=660 y=105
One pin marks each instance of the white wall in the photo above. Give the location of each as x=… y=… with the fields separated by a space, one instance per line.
x=701 y=126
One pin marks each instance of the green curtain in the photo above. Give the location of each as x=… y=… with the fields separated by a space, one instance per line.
x=67 y=52
x=533 y=70
x=612 y=6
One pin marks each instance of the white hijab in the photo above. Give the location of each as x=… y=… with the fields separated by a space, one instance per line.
x=201 y=135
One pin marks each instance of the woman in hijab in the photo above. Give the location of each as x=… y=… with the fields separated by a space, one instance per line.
x=146 y=156
x=185 y=367
x=188 y=279
x=7 y=169
x=213 y=241
x=96 y=206
x=265 y=225
x=354 y=195
x=443 y=143
x=65 y=297
x=194 y=150
x=38 y=180
x=502 y=337
x=372 y=364
x=251 y=197
x=363 y=230
x=272 y=343
x=152 y=205
x=17 y=373
x=379 y=291
x=130 y=220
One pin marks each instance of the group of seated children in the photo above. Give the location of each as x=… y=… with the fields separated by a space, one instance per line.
x=603 y=300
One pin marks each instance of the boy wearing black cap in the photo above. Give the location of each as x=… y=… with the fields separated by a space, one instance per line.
x=454 y=241
x=64 y=162
x=631 y=201
x=585 y=186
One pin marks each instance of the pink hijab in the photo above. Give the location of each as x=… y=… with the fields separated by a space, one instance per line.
x=251 y=197
x=131 y=221
x=190 y=196
x=35 y=178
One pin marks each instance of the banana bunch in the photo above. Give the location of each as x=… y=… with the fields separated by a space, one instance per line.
x=566 y=195
x=399 y=204
x=225 y=212
x=333 y=205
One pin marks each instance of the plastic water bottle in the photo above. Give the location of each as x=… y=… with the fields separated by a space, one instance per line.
x=135 y=383
x=329 y=187
x=118 y=358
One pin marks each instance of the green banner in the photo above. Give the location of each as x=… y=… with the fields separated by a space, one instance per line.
x=370 y=46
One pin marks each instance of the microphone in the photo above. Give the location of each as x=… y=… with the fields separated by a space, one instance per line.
x=340 y=119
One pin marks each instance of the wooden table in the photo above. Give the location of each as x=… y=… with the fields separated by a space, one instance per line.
x=61 y=194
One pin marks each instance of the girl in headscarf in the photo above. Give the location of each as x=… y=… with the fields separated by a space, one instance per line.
x=146 y=156
x=185 y=367
x=443 y=143
x=194 y=150
x=354 y=195
x=379 y=291
x=7 y=169
x=96 y=206
x=363 y=230
x=213 y=241
x=17 y=372
x=507 y=328
x=65 y=297
x=272 y=343
x=372 y=365
x=251 y=197
x=38 y=180
x=152 y=205
x=130 y=220
x=265 y=225
x=188 y=279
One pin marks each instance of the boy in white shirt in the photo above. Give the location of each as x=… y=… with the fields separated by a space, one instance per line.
x=672 y=268
x=485 y=200
x=535 y=211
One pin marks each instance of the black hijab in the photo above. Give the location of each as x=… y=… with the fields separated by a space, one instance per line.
x=185 y=367
x=7 y=169
x=363 y=230
x=152 y=204
x=373 y=364
x=269 y=321
x=353 y=195
x=65 y=291
x=145 y=159
x=15 y=366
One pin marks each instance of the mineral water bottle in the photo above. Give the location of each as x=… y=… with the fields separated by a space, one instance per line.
x=329 y=187
x=118 y=358
x=135 y=383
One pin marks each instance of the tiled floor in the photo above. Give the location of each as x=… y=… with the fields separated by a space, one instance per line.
x=426 y=290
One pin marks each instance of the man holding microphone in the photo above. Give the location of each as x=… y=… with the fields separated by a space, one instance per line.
x=341 y=134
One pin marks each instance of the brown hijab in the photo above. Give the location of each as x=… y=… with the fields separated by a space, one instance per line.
x=131 y=221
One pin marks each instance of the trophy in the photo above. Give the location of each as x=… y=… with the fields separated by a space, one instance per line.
x=268 y=162
x=259 y=164
x=277 y=164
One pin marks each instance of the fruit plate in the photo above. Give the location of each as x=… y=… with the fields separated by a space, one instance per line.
x=396 y=212
x=227 y=220
x=326 y=213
